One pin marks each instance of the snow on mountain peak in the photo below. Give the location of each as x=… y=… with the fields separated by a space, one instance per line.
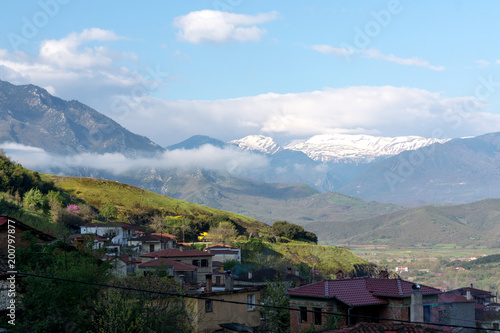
x=260 y=143
x=357 y=148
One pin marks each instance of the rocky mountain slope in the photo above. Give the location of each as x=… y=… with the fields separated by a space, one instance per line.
x=29 y=115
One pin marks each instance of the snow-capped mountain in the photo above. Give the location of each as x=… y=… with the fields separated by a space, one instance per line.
x=357 y=148
x=261 y=143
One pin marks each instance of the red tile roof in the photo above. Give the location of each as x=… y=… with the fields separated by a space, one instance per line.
x=176 y=265
x=360 y=291
x=165 y=234
x=453 y=298
x=40 y=234
x=176 y=253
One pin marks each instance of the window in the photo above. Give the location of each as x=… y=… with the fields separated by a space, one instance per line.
x=209 y=305
x=303 y=315
x=317 y=316
x=196 y=263
x=204 y=263
x=251 y=302
x=217 y=280
x=151 y=248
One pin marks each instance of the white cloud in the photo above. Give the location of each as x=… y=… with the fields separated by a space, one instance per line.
x=375 y=54
x=387 y=111
x=79 y=64
x=221 y=27
x=207 y=157
x=327 y=49
x=66 y=53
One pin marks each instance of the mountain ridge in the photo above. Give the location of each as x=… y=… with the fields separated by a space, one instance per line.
x=31 y=116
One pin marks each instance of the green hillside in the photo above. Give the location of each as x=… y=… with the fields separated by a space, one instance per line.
x=474 y=224
x=138 y=206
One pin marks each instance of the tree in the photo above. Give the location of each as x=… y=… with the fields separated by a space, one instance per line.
x=224 y=233
x=109 y=211
x=33 y=199
x=120 y=310
x=54 y=305
x=277 y=320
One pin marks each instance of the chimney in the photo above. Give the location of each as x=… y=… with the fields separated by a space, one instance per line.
x=417 y=305
x=297 y=273
x=181 y=248
x=250 y=275
x=469 y=295
x=208 y=285
x=228 y=281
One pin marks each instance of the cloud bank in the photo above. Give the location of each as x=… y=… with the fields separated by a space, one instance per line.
x=207 y=157
x=385 y=111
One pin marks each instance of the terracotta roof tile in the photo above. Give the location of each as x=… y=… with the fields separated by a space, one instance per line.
x=176 y=265
x=359 y=291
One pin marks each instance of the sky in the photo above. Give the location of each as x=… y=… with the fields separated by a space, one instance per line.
x=287 y=69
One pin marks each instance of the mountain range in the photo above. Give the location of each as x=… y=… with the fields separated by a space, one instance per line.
x=371 y=176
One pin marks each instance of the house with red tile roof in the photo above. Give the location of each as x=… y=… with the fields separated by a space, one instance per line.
x=224 y=252
x=180 y=271
x=119 y=232
x=152 y=242
x=358 y=300
x=200 y=259
x=122 y=266
x=455 y=309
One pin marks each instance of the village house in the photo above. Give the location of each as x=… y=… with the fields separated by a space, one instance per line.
x=95 y=241
x=214 y=311
x=153 y=242
x=118 y=232
x=455 y=309
x=200 y=259
x=224 y=252
x=486 y=308
x=122 y=266
x=357 y=299
x=400 y=269
x=180 y=271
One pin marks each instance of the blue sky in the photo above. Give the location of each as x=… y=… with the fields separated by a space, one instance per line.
x=286 y=69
